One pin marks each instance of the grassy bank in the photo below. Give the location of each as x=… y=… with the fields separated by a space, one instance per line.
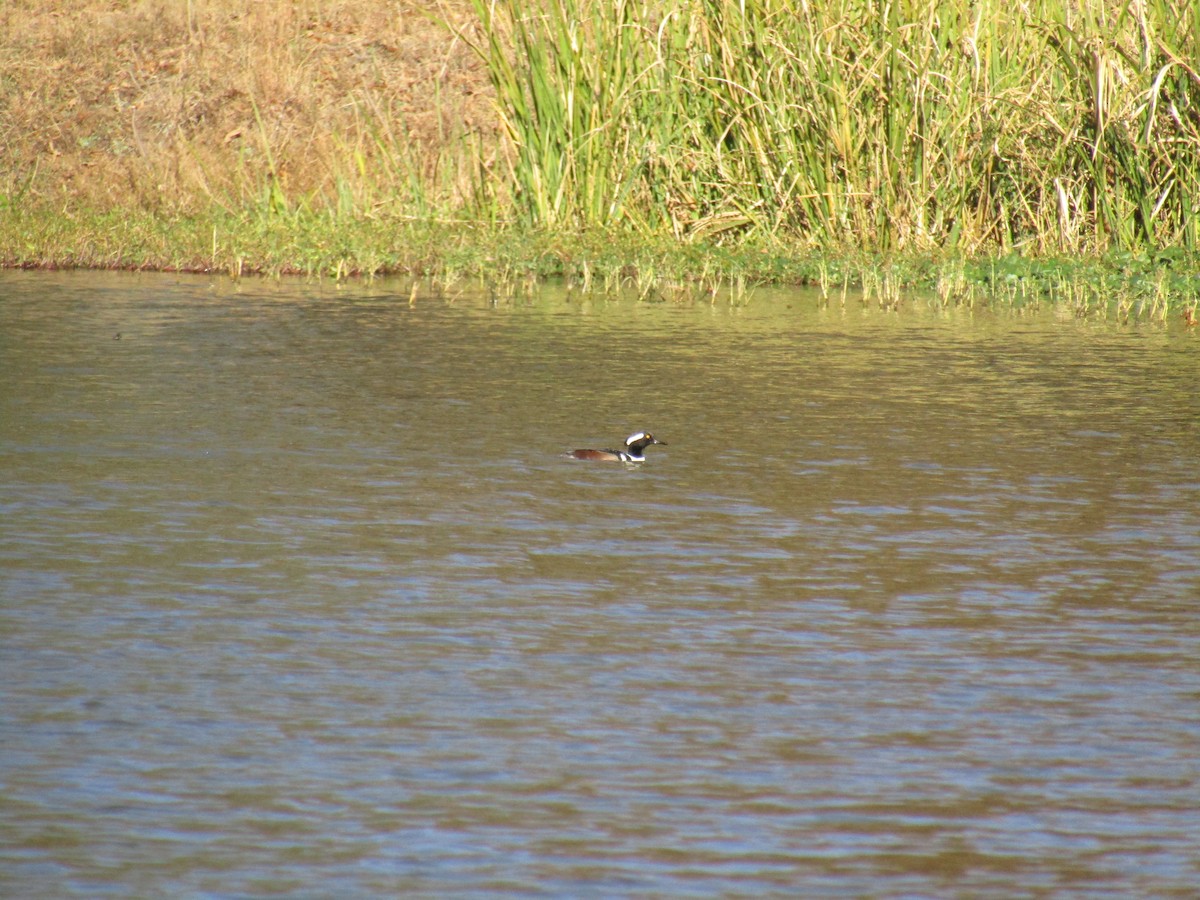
x=930 y=143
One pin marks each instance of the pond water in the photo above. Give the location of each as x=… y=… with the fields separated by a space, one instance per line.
x=300 y=596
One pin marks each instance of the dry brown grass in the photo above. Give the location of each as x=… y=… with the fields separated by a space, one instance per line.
x=171 y=104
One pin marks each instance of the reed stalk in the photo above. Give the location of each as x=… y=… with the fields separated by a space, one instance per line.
x=565 y=75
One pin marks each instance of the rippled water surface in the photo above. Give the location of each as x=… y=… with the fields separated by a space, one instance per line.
x=299 y=596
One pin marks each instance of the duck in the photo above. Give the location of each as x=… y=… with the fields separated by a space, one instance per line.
x=635 y=449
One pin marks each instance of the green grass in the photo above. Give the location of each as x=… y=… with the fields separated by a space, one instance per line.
x=505 y=261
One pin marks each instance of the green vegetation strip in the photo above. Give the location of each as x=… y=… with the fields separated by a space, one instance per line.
x=507 y=261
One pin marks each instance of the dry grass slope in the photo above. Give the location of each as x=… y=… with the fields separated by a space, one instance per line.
x=171 y=106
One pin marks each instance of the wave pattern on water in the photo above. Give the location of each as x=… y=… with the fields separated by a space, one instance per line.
x=298 y=597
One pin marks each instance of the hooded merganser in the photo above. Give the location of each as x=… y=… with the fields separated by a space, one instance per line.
x=635 y=449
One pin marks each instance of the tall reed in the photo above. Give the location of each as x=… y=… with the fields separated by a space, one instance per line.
x=1049 y=125
x=566 y=75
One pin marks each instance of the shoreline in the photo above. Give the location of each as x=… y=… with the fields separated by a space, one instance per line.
x=376 y=137
x=315 y=247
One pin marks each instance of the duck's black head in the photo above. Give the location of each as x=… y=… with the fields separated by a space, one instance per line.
x=637 y=443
